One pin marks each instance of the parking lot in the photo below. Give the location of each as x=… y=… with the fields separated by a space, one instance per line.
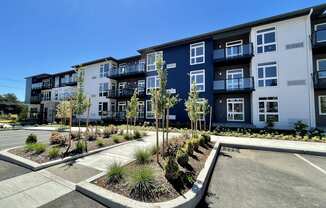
x=250 y=178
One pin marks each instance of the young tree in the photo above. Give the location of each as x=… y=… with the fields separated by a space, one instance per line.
x=156 y=106
x=192 y=107
x=171 y=101
x=205 y=110
x=132 y=108
x=69 y=111
x=63 y=110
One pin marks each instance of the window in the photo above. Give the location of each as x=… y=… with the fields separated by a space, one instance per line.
x=201 y=113
x=56 y=95
x=320 y=32
x=235 y=109
x=103 y=90
x=198 y=78
x=141 y=109
x=234 y=79
x=266 y=40
x=151 y=60
x=46 y=96
x=321 y=68
x=268 y=109
x=149 y=110
x=197 y=53
x=104 y=70
x=322 y=105
x=141 y=85
x=152 y=82
x=102 y=108
x=267 y=74
x=122 y=106
x=234 y=48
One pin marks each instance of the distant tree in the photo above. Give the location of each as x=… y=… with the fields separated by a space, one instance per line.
x=63 y=111
x=22 y=116
x=192 y=107
x=171 y=101
x=132 y=109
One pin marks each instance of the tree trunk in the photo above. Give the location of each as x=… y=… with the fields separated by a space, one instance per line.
x=127 y=126
x=157 y=143
x=204 y=124
x=163 y=132
x=78 y=127
x=167 y=127
x=87 y=121
x=210 y=119
x=69 y=137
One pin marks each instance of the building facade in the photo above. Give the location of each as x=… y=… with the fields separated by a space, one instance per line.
x=269 y=69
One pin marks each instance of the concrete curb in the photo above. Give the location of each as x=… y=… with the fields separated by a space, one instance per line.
x=188 y=200
x=9 y=157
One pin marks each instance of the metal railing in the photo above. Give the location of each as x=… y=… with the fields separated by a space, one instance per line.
x=126 y=92
x=127 y=70
x=239 y=84
x=234 y=52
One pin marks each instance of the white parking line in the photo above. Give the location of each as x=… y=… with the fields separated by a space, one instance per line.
x=310 y=163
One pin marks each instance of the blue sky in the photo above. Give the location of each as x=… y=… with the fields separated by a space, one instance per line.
x=39 y=36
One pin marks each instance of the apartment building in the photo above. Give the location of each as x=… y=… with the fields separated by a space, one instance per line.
x=273 y=68
x=45 y=91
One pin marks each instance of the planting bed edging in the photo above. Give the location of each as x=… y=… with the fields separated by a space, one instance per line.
x=7 y=156
x=189 y=200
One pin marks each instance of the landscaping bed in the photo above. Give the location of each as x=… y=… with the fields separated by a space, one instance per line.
x=81 y=143
x=146 y=180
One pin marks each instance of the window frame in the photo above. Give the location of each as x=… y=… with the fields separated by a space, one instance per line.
x=157 y=82
x=319 y=105
x=265 y=113
x=104 y=71
x=100 y=108
x=149 y=112
x=315 y=29
x=263 y=32
x=156 y=55
x=194 y=73
x=140 y=114
x=235 y=101
x=193 y=46
x=232 y=44
x=101 y=91
x=264 y=74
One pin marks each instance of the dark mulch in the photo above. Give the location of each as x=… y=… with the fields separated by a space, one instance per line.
x=167 y=190
x=43 y=157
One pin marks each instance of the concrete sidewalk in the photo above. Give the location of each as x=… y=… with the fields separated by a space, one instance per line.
x=313 y=148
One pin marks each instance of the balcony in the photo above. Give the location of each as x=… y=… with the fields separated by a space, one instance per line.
x=319 y=39
x=239 y=85
x=130 y=70
x=125 y=93
x=240 y=53
x=319 y=79
x=36 y=99
x=70 y=83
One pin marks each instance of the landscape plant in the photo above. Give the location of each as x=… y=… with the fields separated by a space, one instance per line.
x=132 y=110
x=142 y=156
x=63 y=109
x=53 y=152
x=116 y=173
x=143 y=184
x=31 y=139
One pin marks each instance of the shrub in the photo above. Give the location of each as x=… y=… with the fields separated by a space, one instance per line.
x=75 y=135
x=100 y=142
x=116 y=138
x=38 y=148
x=207 y=138
x=115 y=173
x=195 y=143
x=57 y=138
x=29 y=147
x=80 y=147
x=31 y=139
x=90 y=135
x=127 y=137
x=202 y=141
x=270 y=123
x=171 y=169
x=182 y=157
x=108 y=131
x=189 y=147
x=154 y=149
x=300 y=127
x=142 y=156
x=137 y=134
x=142 y=183
x=53 y=152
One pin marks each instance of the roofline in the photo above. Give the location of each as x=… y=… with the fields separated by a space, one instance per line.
x=263 y=21
x=109 y=58
x=37 y=75
x=50 y=75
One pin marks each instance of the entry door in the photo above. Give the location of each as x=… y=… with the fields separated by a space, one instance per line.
x=234 y=79
x=235 y=109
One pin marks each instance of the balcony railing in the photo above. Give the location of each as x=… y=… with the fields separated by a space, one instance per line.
x=121 y=115
x=127 y=70
x=125 y=93
x=319 y=78
x=234 y=85
x=35 y=99
x=319 y=38
x=233 y=53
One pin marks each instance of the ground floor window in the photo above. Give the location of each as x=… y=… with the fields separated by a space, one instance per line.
x=149 y=110
x=322 y=105
x=235 y=109
x=122 y=106
x=141 y=109
x=102 y=108
x=268 y=109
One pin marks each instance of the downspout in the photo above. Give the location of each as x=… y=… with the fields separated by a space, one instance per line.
x=312 y=119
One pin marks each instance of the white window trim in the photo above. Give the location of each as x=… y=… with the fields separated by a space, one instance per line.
x=156 y=54
x=269 y=113
x=195 y=57
x=138 y=112
x=102 y=91
x=263 y=42
x=228 y=71
x=147 y=112
x=318 y=60
x=268 y=78
x=103 y=73
x=122 y=103
x=234 y=101
x=233 y=44
x=319 y=105
x=195 y=72
x=315 y=28
x=149 y=88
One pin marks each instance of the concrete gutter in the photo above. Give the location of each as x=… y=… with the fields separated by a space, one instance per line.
x=7 y=156
x=189 y=200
